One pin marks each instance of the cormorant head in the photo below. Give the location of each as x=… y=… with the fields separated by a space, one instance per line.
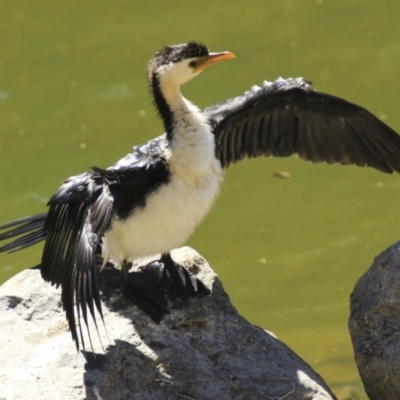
x=180 y=63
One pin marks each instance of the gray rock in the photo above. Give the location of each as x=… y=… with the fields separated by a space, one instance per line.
x=202 y=350
x=375 y=326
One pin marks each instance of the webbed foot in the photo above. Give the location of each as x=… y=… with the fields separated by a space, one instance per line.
x=147 y=287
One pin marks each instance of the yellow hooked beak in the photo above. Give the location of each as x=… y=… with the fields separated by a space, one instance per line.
x=212 y=59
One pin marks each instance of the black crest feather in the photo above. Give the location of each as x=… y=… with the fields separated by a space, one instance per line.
x=178 y=53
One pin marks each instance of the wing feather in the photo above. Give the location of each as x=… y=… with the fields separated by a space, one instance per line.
x=79 y=214
x=286 y=117
x=74 y=228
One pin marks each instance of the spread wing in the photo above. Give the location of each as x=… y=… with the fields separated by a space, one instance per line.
x=78 y=216
x=286 y=117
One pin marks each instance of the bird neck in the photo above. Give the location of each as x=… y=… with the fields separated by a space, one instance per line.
x=172 y=107
x=191 y=143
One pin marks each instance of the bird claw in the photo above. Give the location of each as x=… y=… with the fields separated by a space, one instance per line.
x=147 y=287
x=175 y=278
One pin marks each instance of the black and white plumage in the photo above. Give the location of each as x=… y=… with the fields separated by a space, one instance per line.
x=151 y=201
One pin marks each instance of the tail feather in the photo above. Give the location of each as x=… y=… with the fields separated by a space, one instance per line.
x=32 y=229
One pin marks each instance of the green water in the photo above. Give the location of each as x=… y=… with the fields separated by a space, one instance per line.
x=73 y=94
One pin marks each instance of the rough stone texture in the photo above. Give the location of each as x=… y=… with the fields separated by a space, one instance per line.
x=202 y=350
x=375 y=326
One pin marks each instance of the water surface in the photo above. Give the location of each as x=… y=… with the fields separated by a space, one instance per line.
x=73 y=94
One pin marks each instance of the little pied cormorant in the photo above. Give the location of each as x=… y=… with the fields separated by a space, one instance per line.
x=151 y=201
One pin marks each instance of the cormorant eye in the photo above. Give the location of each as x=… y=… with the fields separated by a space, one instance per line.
x=192 y=64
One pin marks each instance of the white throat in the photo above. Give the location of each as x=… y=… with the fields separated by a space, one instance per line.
x=192 y=145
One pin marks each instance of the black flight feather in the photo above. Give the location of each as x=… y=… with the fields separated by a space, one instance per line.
x=286 y=117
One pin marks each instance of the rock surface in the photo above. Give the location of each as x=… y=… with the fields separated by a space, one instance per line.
x=202 y=350
x=375 y=326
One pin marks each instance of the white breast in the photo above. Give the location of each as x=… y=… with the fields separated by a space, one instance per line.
x=170 y=216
